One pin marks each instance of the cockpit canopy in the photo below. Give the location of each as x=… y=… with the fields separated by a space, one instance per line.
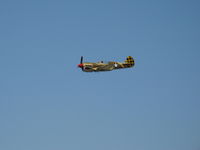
x=104 y=62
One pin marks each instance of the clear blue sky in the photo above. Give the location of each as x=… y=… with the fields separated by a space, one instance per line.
x=47 y=103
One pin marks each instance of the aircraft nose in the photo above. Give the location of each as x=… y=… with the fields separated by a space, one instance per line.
x=80 y=65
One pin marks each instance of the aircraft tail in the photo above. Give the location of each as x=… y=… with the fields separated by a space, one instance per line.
x=129 y=62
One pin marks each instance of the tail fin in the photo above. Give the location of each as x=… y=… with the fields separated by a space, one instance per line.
x=129 y=62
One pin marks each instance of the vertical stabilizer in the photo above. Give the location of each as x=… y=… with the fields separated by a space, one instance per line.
x=129 y=62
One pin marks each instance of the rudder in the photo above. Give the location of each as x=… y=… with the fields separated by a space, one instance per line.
x=129 y=61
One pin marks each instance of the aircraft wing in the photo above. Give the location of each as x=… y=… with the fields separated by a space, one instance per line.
x=106 y=67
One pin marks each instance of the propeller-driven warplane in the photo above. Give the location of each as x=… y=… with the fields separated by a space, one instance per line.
x=102 y=66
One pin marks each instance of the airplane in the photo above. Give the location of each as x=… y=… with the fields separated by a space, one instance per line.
x=102 y=66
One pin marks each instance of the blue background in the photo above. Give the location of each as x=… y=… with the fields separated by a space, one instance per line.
x=47 y=103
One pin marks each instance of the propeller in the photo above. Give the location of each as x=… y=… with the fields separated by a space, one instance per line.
x=81 y=63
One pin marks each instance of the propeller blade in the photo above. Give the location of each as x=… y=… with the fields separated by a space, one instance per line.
x=81 y=60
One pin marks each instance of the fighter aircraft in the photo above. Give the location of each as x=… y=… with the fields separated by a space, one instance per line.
x=103 y=66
